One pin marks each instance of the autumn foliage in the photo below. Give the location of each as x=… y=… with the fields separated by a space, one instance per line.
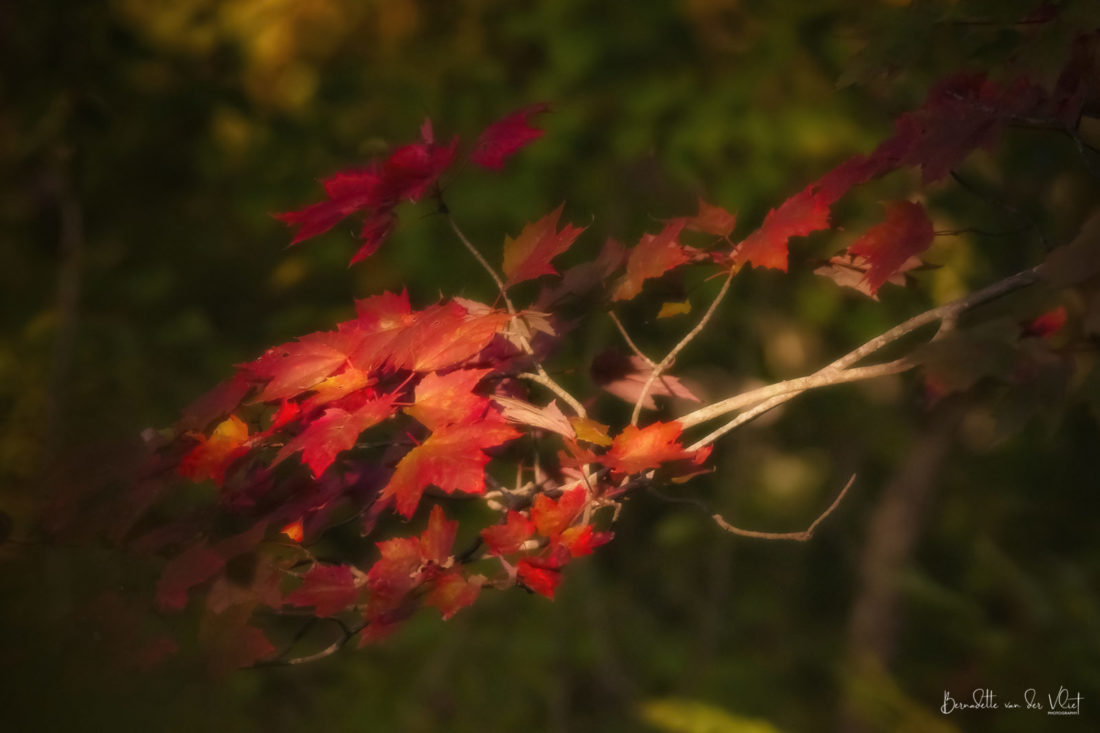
x=386 y=418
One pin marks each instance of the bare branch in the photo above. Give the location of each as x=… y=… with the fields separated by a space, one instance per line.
x=482 y=261
x=771 y=396
x=842 y=371
x=543 y=378
x=629 y=341
x=284 y=660
x=946 y=312
x=824 y=378
x=802 y=536
x=687 y=339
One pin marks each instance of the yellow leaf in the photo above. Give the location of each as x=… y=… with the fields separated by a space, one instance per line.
x=590 y=431
x=692 y=716
x=675 y=309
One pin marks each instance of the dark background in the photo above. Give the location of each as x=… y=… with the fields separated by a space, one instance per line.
x=143 y=146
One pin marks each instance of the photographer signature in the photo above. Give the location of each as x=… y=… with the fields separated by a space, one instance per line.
x=1060 y=703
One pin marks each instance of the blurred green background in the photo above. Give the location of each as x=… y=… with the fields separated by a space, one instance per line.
x=143 y=144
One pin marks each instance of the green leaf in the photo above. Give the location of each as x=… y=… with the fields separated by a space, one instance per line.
x=677 y=715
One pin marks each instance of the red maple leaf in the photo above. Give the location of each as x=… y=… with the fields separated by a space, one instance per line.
x=505 y=538
x=961 y=114
x=1047 y=324
x=639 y=449
x=213 y=456
x=539 y=575
x=317 y=218
x=712 y=220
x=407 y=562
x=552 y=516
x=375 y=230
x=652 y=257
x=442 y=336
x=451 y=459
x=334 y=432
x=397 y=571
x=336 y=387
x=453 y=591
x=295 y=367
x=358 y=187
x=448 y=399
x=287 y=413
x=385 y=310
x=906 y=232
x=405 y=175
x=412 y=169
x=528 y=256
x=295 y=530
x=801 y=214
x=438 y=538
x=582 y=540
x=328 y=588
x=505 y=136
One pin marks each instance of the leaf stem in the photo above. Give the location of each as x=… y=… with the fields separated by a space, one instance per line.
x=803 y=536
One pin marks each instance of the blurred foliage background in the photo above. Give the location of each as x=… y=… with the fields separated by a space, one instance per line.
x=143 y=144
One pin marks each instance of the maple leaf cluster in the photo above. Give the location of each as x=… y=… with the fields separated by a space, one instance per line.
x=402 y=408
x=398 y=402
x=438 y=388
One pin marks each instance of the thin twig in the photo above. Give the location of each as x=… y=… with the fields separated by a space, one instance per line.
x=1003 y=205
x=543 y=378
x=1088 y=152
x=671 y=355
x=347 y=634
x=629 y=341
x=482 y=261
x=802 y=536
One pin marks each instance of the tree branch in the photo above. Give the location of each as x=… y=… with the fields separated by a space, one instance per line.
x=283 y=660
x=629 y=341
x=803 y=536
x=671 y=355
x=542 y=377
x=767 y=398
x=842 y=371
